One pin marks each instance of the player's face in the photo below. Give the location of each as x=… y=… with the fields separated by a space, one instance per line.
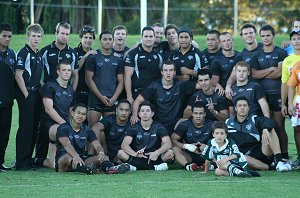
x=267 y=38
x=123 y=111
x=241 y=73
x=64 y=72
x=148 y=38
x=212 y=41
x=5 y=38
x=120 y=37
x=198 y=116
x=295 y=41
x=242 y=108
x=87 y=40
x=248 y=35
x=226 y=42
x=34 y=39
x=106 y=41
x=296 y=25
x=146 y=113
x=79 y=115
x=168 y=72
x=62 y=36
x=204 y=82
x=185 y=40
x=219 y=135
x=172 y=36
x=159 y=33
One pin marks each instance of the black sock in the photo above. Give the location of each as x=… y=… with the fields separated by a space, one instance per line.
x=106 y=165
x=285 y=156
x=278 y=158
x=233 y=170
x=271 y=167
x=140 y=163
x=81 y=168
x=39 y=162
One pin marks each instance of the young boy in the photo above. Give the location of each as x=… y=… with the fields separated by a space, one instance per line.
x=225 y=153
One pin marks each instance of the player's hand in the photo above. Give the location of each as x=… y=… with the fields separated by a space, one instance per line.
x=152 y=156
x=221 y=162
x=200 y=146
x=219 y=89
x=284 y=110
x=190 y=147
x=112 y=101
x=91 y=52
x=184 y=70
x=102 y=157
x=285 y=44
x=105 y=100
x=183 y=77
x=210 y=105
x=228 y=93
x=130 y=99
x=134 y=119
x=265 y=138
x=291 y=110
x=77 y=160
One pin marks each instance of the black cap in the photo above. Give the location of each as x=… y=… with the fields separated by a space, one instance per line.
x=186 y=29
x=294 y=32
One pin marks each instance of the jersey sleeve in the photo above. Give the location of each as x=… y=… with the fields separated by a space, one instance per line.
x=181 y=129
x=63 y=130
x=282 y=55
x=89 y=63
x=162 y=131
x=263 y=123
x=193 y=99
x=131 y=131
x=293 y=80
x=215 y=67
x=120 y=67
x=48 y=90
x=21 y=58
x=254 y=64
x=107 y=122
x=223 y=103
x=235 y=148
x=91 y=136
x=129 y=59
x=149 y=92
x=259 y=92
x=75 y=60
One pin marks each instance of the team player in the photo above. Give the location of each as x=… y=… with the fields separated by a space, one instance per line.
x=59 y=51
x=250 y=89
x=110 y=130
x=142 y=65
x=188 y=59
x=213 y=45
x=57 y=100
x=172 y=43
x=104 y=77
x=147 y=144
x=159 y=33
x=287 y=45
x=72 y=139
x=119 y=45
x=7 y=82
x=226 y=154
x=216 y=105
x=28 y=76
x=190 y=137
x=266 y=68
x=255 y=136
x=84 y=49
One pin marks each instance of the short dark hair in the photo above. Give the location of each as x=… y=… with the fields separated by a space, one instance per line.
x=123 y=101
x=216 y=32
x=168 y=62
x=62 y=24
x=239 y=99
x=78 y=105
x=157 y=25
x=243 y=64
x=149 y=28
x=170 y=26
x=247 y=25
x=267 y=28
x=219 y=125
x=5 y=27
x=203 y=72
x=198 y=104
x=62 y=62
x=119 y=27
x=105 y=32
x=87 y=29
x=146 y=103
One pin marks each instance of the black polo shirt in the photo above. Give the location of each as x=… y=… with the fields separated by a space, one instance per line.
x=211 y=56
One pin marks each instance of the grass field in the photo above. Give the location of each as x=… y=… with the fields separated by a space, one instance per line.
x=173 y=183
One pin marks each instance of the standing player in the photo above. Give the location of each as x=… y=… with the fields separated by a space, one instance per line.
x=7 y=65
x=119 y=45
x=266 y=68
x=172 y=44
x=104 y=77
x=287 y=45
x=147 y=144
x=28 y=76
x=213 y=45
x=195 y=133
x=84 y=49
x=110 y=130
x=159 y=32
x=142 y=65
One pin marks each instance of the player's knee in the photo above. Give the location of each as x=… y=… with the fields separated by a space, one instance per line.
x=122 y=155
x=176 y=150
x=219 y=172
x=169 y=155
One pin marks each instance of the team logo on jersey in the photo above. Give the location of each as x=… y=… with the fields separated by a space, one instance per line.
x=127 y=60
x=58 y=94
x=175 y=58
x=189 y=134
x=268 y=56
x=11 y=61
x=68 y=55
x=20 y=61
x=139 y=136
x=226 y=151
x=241 y=89
x=120 y=130
x=149 y=60
x=231 y=61
x=190 y=57
x=214 y=149
x=106 y=60
x=33 y=58
x=248 y=127
x=154 y=56
x=249 y=89
x=112 y=133
x=168 y=93
x=65 y=93
x=142 y=56
x=275 y=57
x=182 y=61
x=225 y=65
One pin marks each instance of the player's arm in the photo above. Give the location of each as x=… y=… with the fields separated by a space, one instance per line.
x=128 y=72
x=20 y=81
x=231 y=80
x=83 y=58
x=264 y=106
x=276 y=73
x=134 y=117
x=187 y=71
x=284 y=97
x=175 y=141
x=187 y=113
x=48 y=104
x=221 y=115
x=165 y=145
x=262 y=73
x=125 y=146
x=65 y=142
x=291 y=95
x=119 y=88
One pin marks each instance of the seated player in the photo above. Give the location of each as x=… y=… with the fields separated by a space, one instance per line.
x=147 y=145
x=195 y=133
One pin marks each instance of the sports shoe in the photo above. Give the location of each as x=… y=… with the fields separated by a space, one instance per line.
x=243 y=174
x=122 y=168
x=161 y=167
x=288 y=165
x=281 y=167
x=130 y=167
x=192 y=167
x=296 y=164
x=253 y=173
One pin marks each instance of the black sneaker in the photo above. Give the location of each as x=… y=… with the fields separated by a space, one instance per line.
x=253 y=173
x=122 y=168
x=243 y=174
x=89 y=169
x=4 y=168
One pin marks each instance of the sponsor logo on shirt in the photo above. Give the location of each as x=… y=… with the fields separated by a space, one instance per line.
x=190 y=57
x=68 y=55
x=142 y=57
x=52 y=54
x=248 y=127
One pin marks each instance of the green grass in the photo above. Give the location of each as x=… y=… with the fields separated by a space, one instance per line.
x=173 y=183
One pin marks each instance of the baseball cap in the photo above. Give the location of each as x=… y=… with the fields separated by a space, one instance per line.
x=294 y=32
x=186 y=29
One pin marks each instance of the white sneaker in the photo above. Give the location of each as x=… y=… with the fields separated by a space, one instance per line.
x=132 y=168
x=161 y=167
x=288 y=165
x=281 y=166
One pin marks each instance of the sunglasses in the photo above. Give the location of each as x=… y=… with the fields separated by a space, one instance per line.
x=87 y=30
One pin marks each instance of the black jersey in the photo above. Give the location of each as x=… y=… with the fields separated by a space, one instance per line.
x=7 y=78
x=248 y=133
x=222 y=66
x=219 y=102
x=105 y=68
x=79 y=140
x=168 y=102
x=52 y=56
x=263 y=60
x=191 y=134
x=114 y=134
x=211 y=56
x=120 y=54
x=253 y=92
x=194 y=59
x=150 y=139
x=166 y=51
x=246 y=55
x=146 y=66
x=31 y=63
x=62 y=98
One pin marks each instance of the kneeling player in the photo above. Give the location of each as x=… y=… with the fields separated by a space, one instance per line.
x=72 y=140
x=147 y=144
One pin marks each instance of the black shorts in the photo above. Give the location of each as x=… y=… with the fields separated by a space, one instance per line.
x=257 y=153
x=46 y=125
x=95 y=104
x=81 y=96
x=274 y=101
x=196 y=158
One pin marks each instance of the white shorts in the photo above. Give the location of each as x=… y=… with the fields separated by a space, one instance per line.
x=296 y=118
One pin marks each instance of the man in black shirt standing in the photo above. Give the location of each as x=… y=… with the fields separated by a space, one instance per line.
x=7 y=81
x=213 y=45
